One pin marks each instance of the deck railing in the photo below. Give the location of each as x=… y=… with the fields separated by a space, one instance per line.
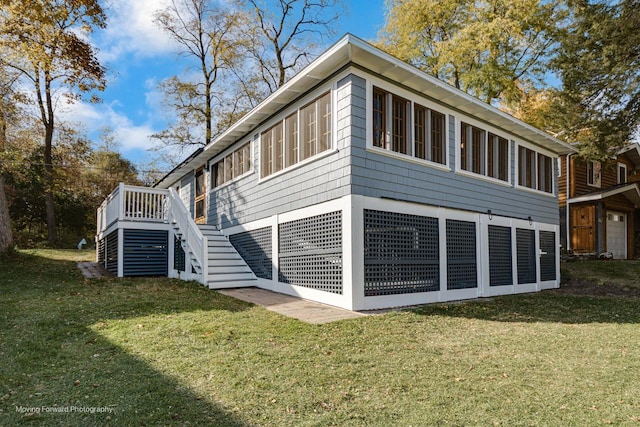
x=131 y=203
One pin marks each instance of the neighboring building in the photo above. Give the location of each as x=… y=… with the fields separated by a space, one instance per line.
x=599 y=204
x=362 y=183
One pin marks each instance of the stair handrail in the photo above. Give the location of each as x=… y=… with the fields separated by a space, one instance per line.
x=196 y=241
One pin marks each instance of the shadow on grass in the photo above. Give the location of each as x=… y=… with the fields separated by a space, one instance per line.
x=546 y=306
x=56 y=370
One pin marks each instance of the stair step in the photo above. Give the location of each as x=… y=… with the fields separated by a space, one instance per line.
x=228 y=269
x=241 y=283
x=231 y=262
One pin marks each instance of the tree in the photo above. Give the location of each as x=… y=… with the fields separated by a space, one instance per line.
x=285 y=34
x=491 y=49
x=46 y=45
x=211 y=37
x=599 y=64
x=6 y=237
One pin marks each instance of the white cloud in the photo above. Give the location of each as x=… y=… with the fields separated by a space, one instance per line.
x=132 y=137
x=131 y=30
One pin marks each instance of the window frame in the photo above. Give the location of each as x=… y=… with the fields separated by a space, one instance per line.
x=324 y=139
x=482 y=156
x=410 y=150
x=620 y=167
x=536 y=167
x=241 y=154
x=594 y=169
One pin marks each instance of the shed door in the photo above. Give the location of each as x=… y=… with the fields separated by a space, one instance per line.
x=582 y=229
x=617 y=234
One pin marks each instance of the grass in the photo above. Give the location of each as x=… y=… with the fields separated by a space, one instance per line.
x=164 y=352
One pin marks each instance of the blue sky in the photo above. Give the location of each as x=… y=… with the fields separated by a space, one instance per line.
x=139 y=56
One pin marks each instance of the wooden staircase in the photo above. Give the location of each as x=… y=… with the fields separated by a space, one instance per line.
x=226 y=268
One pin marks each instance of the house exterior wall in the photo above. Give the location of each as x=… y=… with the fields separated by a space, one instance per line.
x=326 y=177
x=383 y=174
x=586 y=231
x=352 y=167
x=186 y=191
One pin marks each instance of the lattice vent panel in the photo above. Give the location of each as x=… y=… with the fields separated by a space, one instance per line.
x=112 y=253
x=101 y=251
x=310 y=252
x=526 y=250
x=401 y=253
x=461 y=255
x=179 y=257
x=500 y=259
x=548 y=256
x=255 y=248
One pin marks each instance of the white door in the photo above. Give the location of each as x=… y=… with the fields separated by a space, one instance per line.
x=617 y=234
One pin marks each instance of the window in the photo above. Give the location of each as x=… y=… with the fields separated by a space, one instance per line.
x=622 y=173
x=379 y=117
x=483 y=152
x=393 y=131
x=535 y=170
x=233 y=165
x=429 y=134
x=299 y=136
x=399 y=124
x=291 y=139
x=594 y=174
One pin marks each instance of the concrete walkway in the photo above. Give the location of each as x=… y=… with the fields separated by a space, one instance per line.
x=93 y=270
x=287 y=305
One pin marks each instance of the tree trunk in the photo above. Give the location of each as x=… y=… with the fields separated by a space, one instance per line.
x=52 y=231
x=6 y=238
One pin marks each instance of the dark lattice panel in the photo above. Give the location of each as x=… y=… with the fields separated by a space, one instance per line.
x=500 y=259
x=101 y=251
x=401 y=253
x=461 y=255
x=112 y=253
x=146 y=252
x=310 y=252
x=179 y=258
x=548 y=256
x=526 y=253
x=255 y=248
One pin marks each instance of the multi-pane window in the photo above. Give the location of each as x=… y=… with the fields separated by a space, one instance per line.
x=392 y=122
x=291 y=139
x=429 y=134
x=594 y=177
x=379 y=117
x=483 y=152
x=399 y=124
x=535 y=170
x=297 y=137
x=232 y=165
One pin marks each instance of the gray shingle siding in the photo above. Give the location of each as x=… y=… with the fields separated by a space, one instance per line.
x=353 y=169
x=378 y=175
x=327 y=178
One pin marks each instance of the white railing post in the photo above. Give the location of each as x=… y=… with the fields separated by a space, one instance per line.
x=121 y=201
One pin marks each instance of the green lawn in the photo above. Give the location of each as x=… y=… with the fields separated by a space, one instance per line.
x=164 y=352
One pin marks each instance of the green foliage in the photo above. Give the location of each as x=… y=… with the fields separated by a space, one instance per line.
x=491 y=49
x=83 y=178
x=599 y=63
